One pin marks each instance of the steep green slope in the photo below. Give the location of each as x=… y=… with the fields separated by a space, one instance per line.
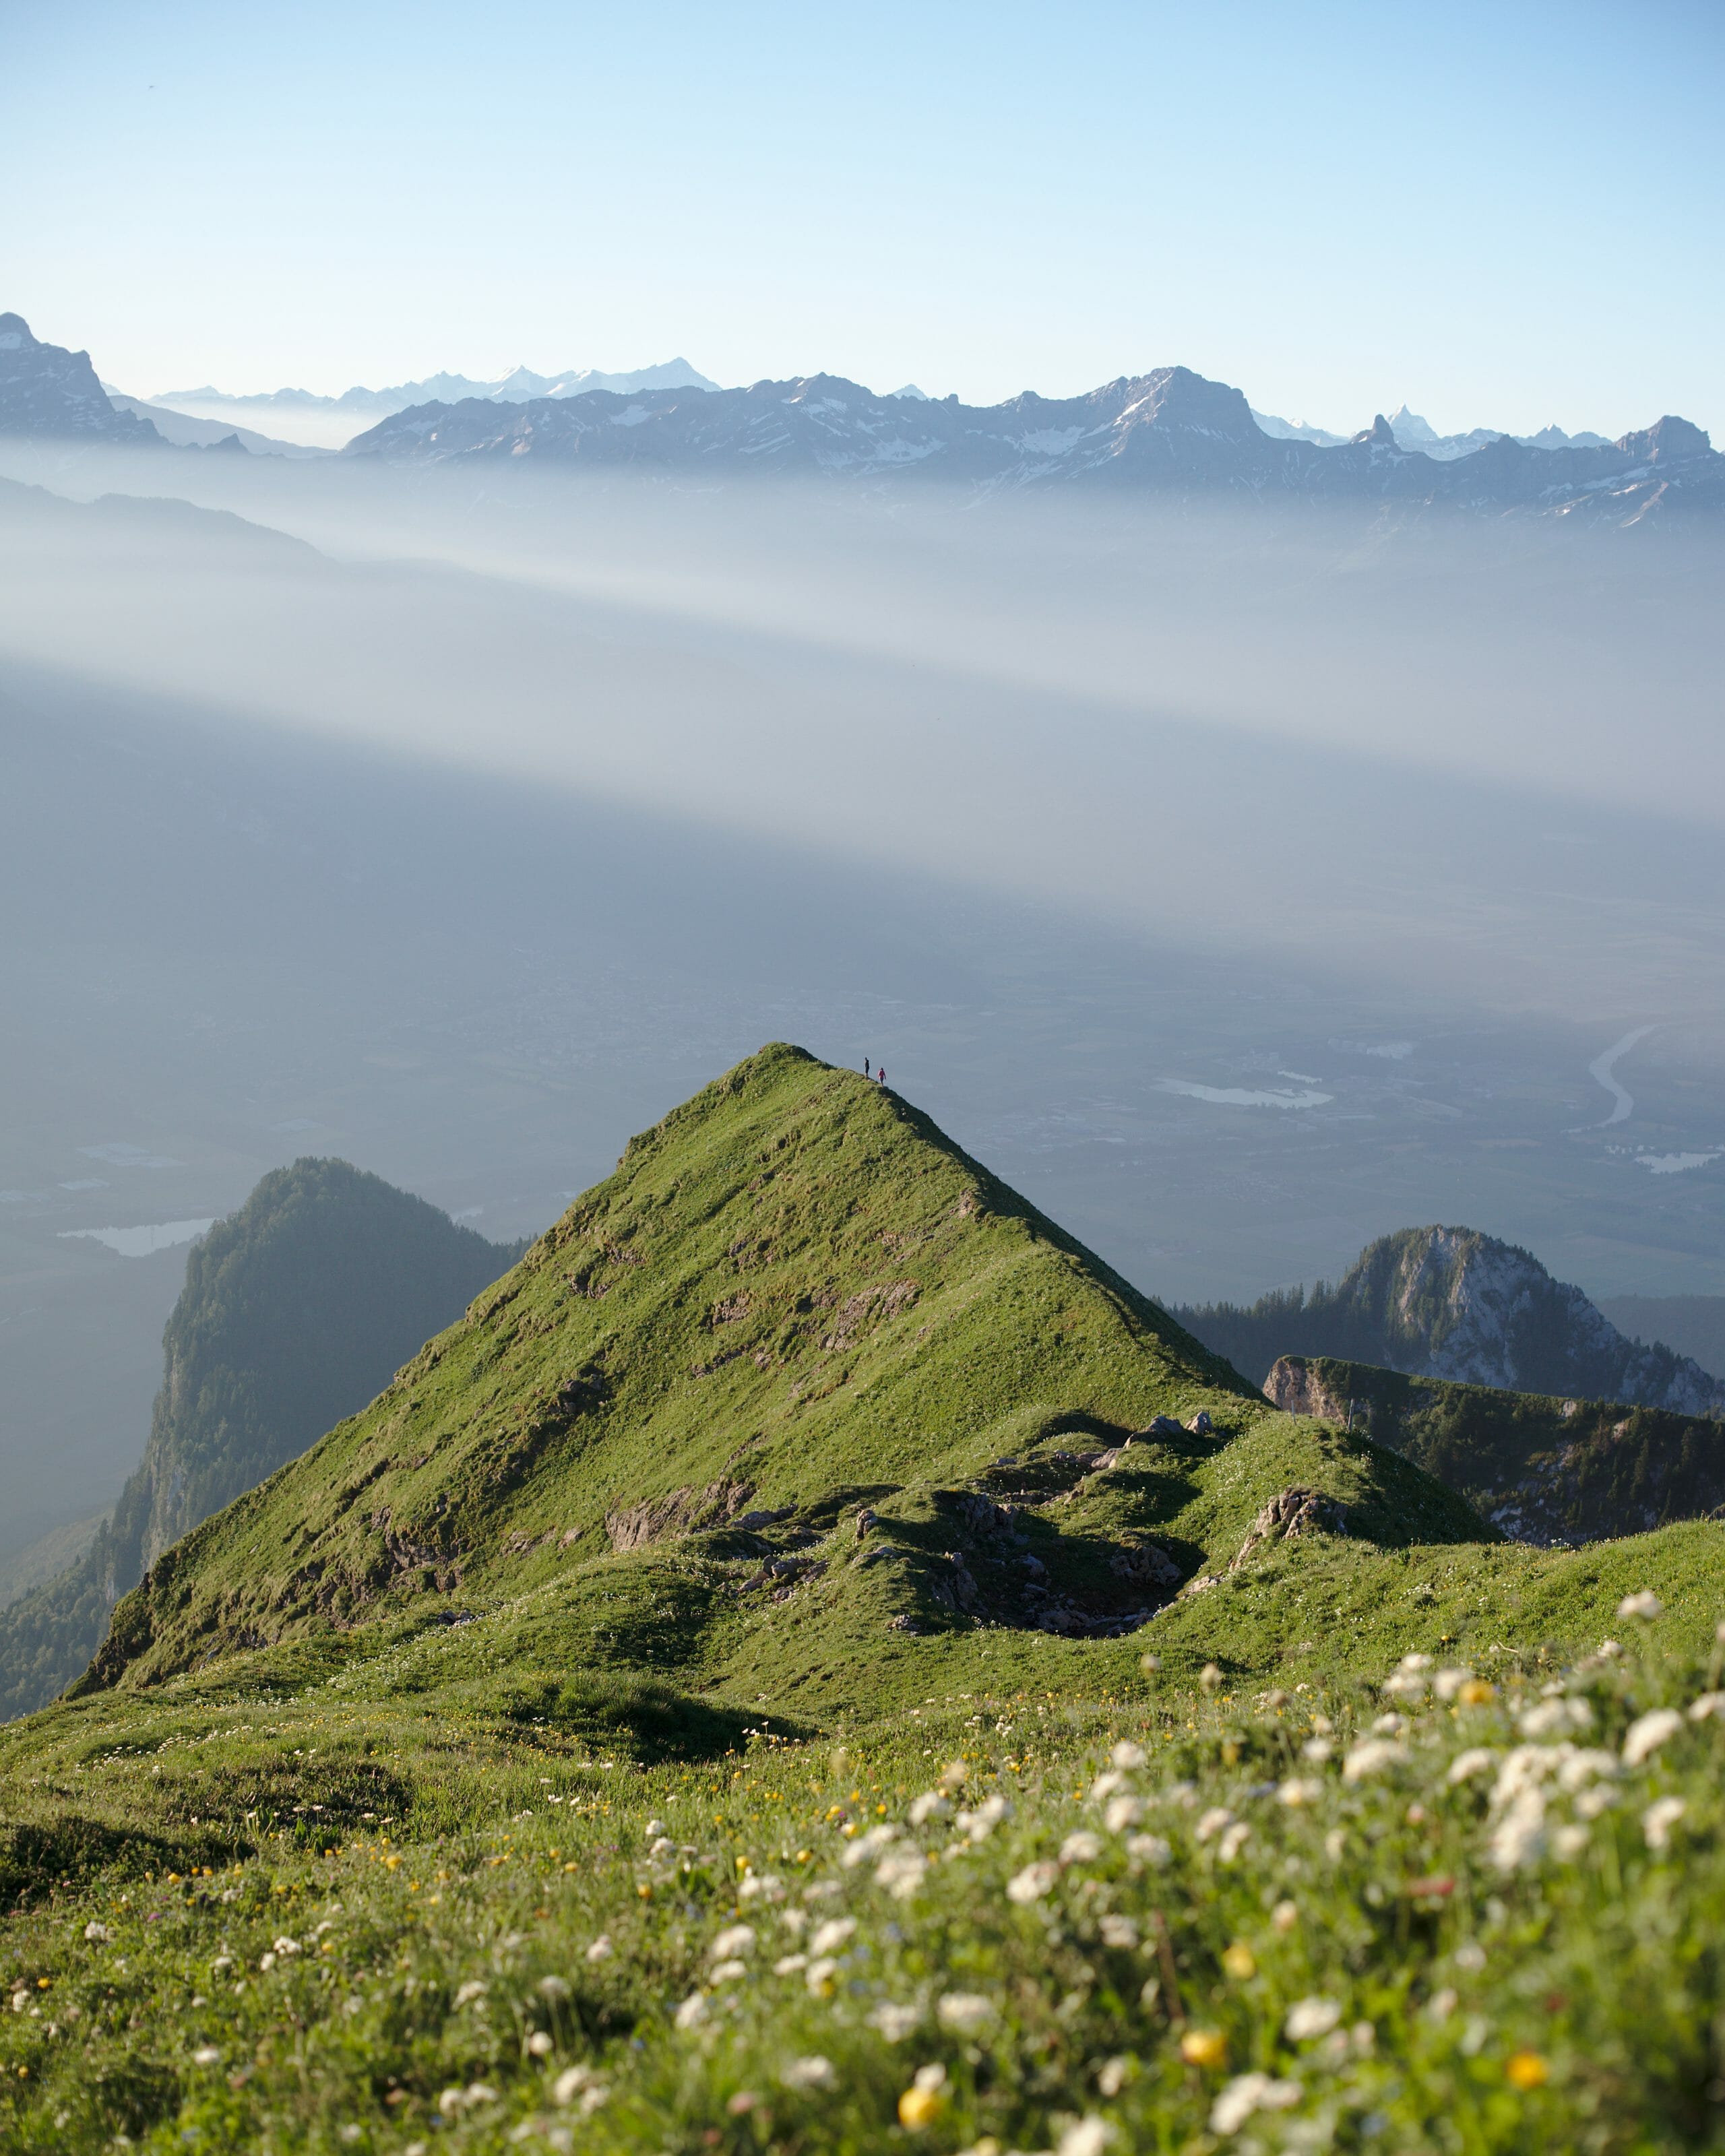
x=1544 y=1470
x=795 y=1301
x=295 y=1310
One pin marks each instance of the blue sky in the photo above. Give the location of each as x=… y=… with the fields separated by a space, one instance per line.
x=1505 y=214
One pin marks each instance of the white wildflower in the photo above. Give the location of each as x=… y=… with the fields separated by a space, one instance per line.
x=601 y=1948
x=93 y=1931
x=1442 y=2005
x=789 y=1964
x=1519 y=1836
x=981 y=1823
x=1117 y=1931
x=1526 y=1768
x=901 y=1872
x=811 y=2073
x=868 y=1845
x=728 y=1972
x=828 y=1937
x=1317 y=1750
x=931 y=1804
x=1085 y=2136
x=1104 y=1785
x=1646 y=1604
x=286 y=1946
x=966 y=2012
x=1648 y=1732
x=1149 y=1849
x=1033 y=1882
x=1390 y=1725
x=1121 y=1813
x=1308 y=2018
x=552 y=1988
x=266 y=1961
x=1448 y=1682
x=1113 y=2074
x=1658 y=1820
x=1372 y=1755
x=1569 y=1842
x=1591 y=1802
x=474 y=1989
x=1469 y=1957
x=1247 y=2093
x=692 y=2012
x=1405 y=1686
x=735 y=1939
x=1294 y=1792
x=1234 y=1840
x=1213 y=1822
x=1710 y=1702
x=765 y=1887
x=818 y=1976
x=1551 y=1717
x=1581 y=1768
x=1127 y=1755
x=1081 y=1848
x=895 y=2023
x=206 y=2055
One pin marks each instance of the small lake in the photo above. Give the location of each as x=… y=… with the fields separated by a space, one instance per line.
x=139 y=1242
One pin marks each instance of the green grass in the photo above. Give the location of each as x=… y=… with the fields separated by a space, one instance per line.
x=443 y=1862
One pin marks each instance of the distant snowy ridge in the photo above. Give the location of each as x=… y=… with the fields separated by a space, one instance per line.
x=515 y=387
x=1171 y=430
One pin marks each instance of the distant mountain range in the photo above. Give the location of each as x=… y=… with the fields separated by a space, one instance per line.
x=517 y=387
x=1171 y=431
x=1452 y=1303
x=1411 y=431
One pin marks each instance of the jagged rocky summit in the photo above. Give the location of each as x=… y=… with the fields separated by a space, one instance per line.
x=1167 y=429
x=1452 y=1303
x=46 y=391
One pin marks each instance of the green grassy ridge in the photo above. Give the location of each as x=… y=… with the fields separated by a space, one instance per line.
x=794 y=1286
x=1556 y=1469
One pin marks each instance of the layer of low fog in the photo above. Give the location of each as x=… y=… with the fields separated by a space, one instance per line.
x=1240 y=884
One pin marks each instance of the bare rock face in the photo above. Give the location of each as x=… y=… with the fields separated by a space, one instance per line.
x=679 y=1511
x=47 y=391
x=1295 y=1386
x=1293 y=1512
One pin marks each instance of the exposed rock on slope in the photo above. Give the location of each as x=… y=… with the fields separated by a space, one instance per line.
x=297 y=1310
x=47 y=391
x=1449 y=1302
x=1543 y=1470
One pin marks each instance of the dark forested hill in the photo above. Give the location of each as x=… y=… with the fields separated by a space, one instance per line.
x=1543 y=1470
x=297 y=1310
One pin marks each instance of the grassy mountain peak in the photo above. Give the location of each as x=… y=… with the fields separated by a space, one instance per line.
x=794 y=1303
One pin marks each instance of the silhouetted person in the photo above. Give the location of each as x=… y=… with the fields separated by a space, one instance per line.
x=865 y=1066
